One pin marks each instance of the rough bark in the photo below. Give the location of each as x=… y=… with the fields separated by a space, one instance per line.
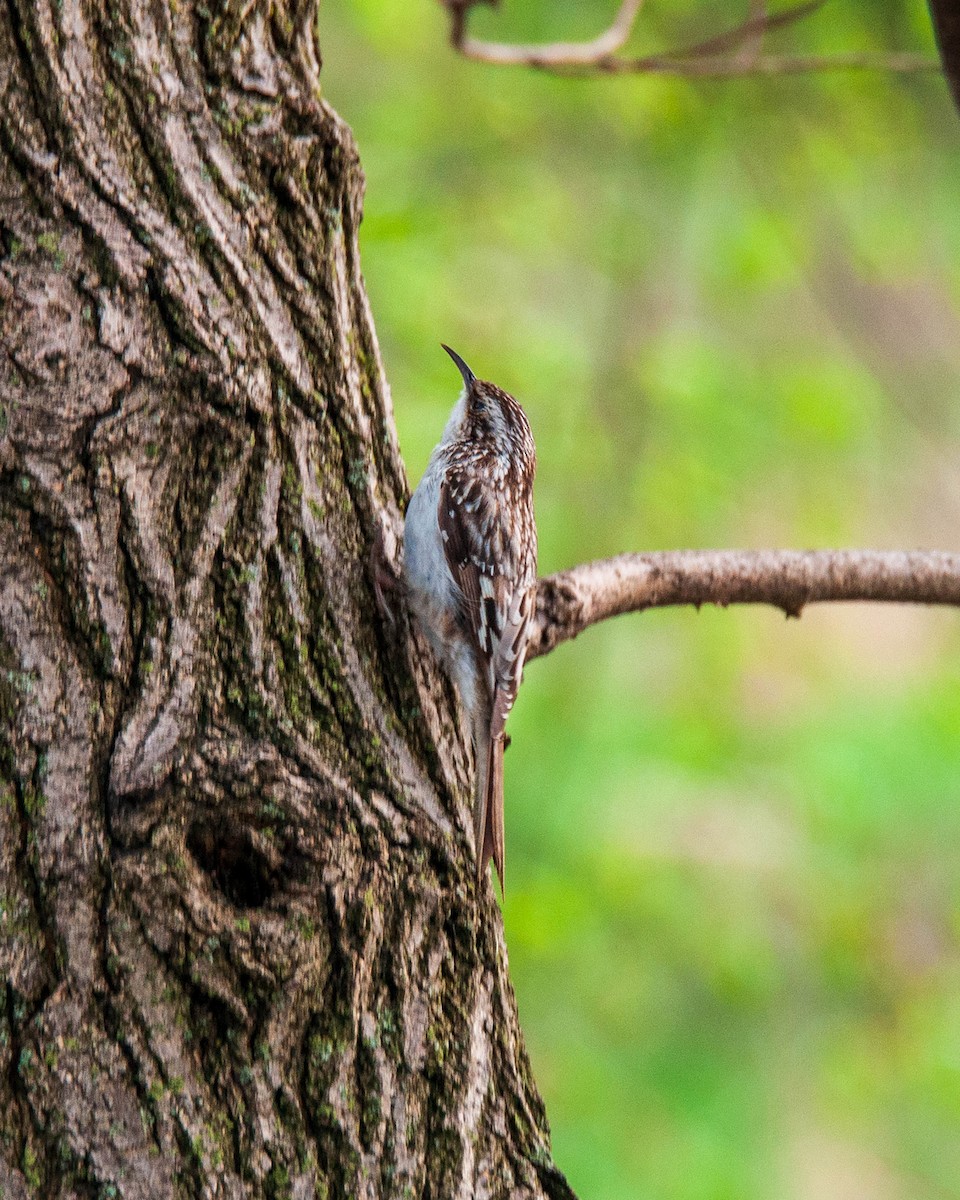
x=242 y=947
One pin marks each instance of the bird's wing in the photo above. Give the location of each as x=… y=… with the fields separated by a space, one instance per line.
x=515 y=604
x=464 y=550
x=494 y=570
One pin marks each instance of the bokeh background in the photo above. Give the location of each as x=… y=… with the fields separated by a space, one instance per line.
x=732 y=311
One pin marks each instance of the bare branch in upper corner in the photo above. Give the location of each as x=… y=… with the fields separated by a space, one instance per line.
x=570 y=601
x=553 y=55
x=732 y=53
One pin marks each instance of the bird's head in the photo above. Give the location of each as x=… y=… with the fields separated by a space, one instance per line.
x=490 y=416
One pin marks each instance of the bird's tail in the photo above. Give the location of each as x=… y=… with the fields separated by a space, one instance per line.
x=488 y=803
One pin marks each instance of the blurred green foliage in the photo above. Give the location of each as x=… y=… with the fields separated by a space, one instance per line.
x=732 y=311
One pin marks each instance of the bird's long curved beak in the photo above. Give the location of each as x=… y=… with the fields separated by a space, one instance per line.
x=468 y=375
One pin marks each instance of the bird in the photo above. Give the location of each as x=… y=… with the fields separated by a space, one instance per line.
x=470 y=572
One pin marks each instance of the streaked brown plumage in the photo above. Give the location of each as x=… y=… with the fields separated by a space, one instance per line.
x=470 y=562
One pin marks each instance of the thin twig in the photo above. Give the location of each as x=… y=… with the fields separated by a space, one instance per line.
x=571 y=601
x=733 y=53
x=558 y=54
x=749 y=33
x=770 y=64
x=752 y=43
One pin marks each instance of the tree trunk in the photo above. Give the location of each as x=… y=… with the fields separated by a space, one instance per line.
x=243 y=950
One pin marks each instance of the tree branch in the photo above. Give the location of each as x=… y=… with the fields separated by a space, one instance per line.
x=731 y=54
x=554 y=54
x=570 y=601
x=683 y=65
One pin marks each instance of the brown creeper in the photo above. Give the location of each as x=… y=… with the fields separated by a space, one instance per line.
x=470 y=562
